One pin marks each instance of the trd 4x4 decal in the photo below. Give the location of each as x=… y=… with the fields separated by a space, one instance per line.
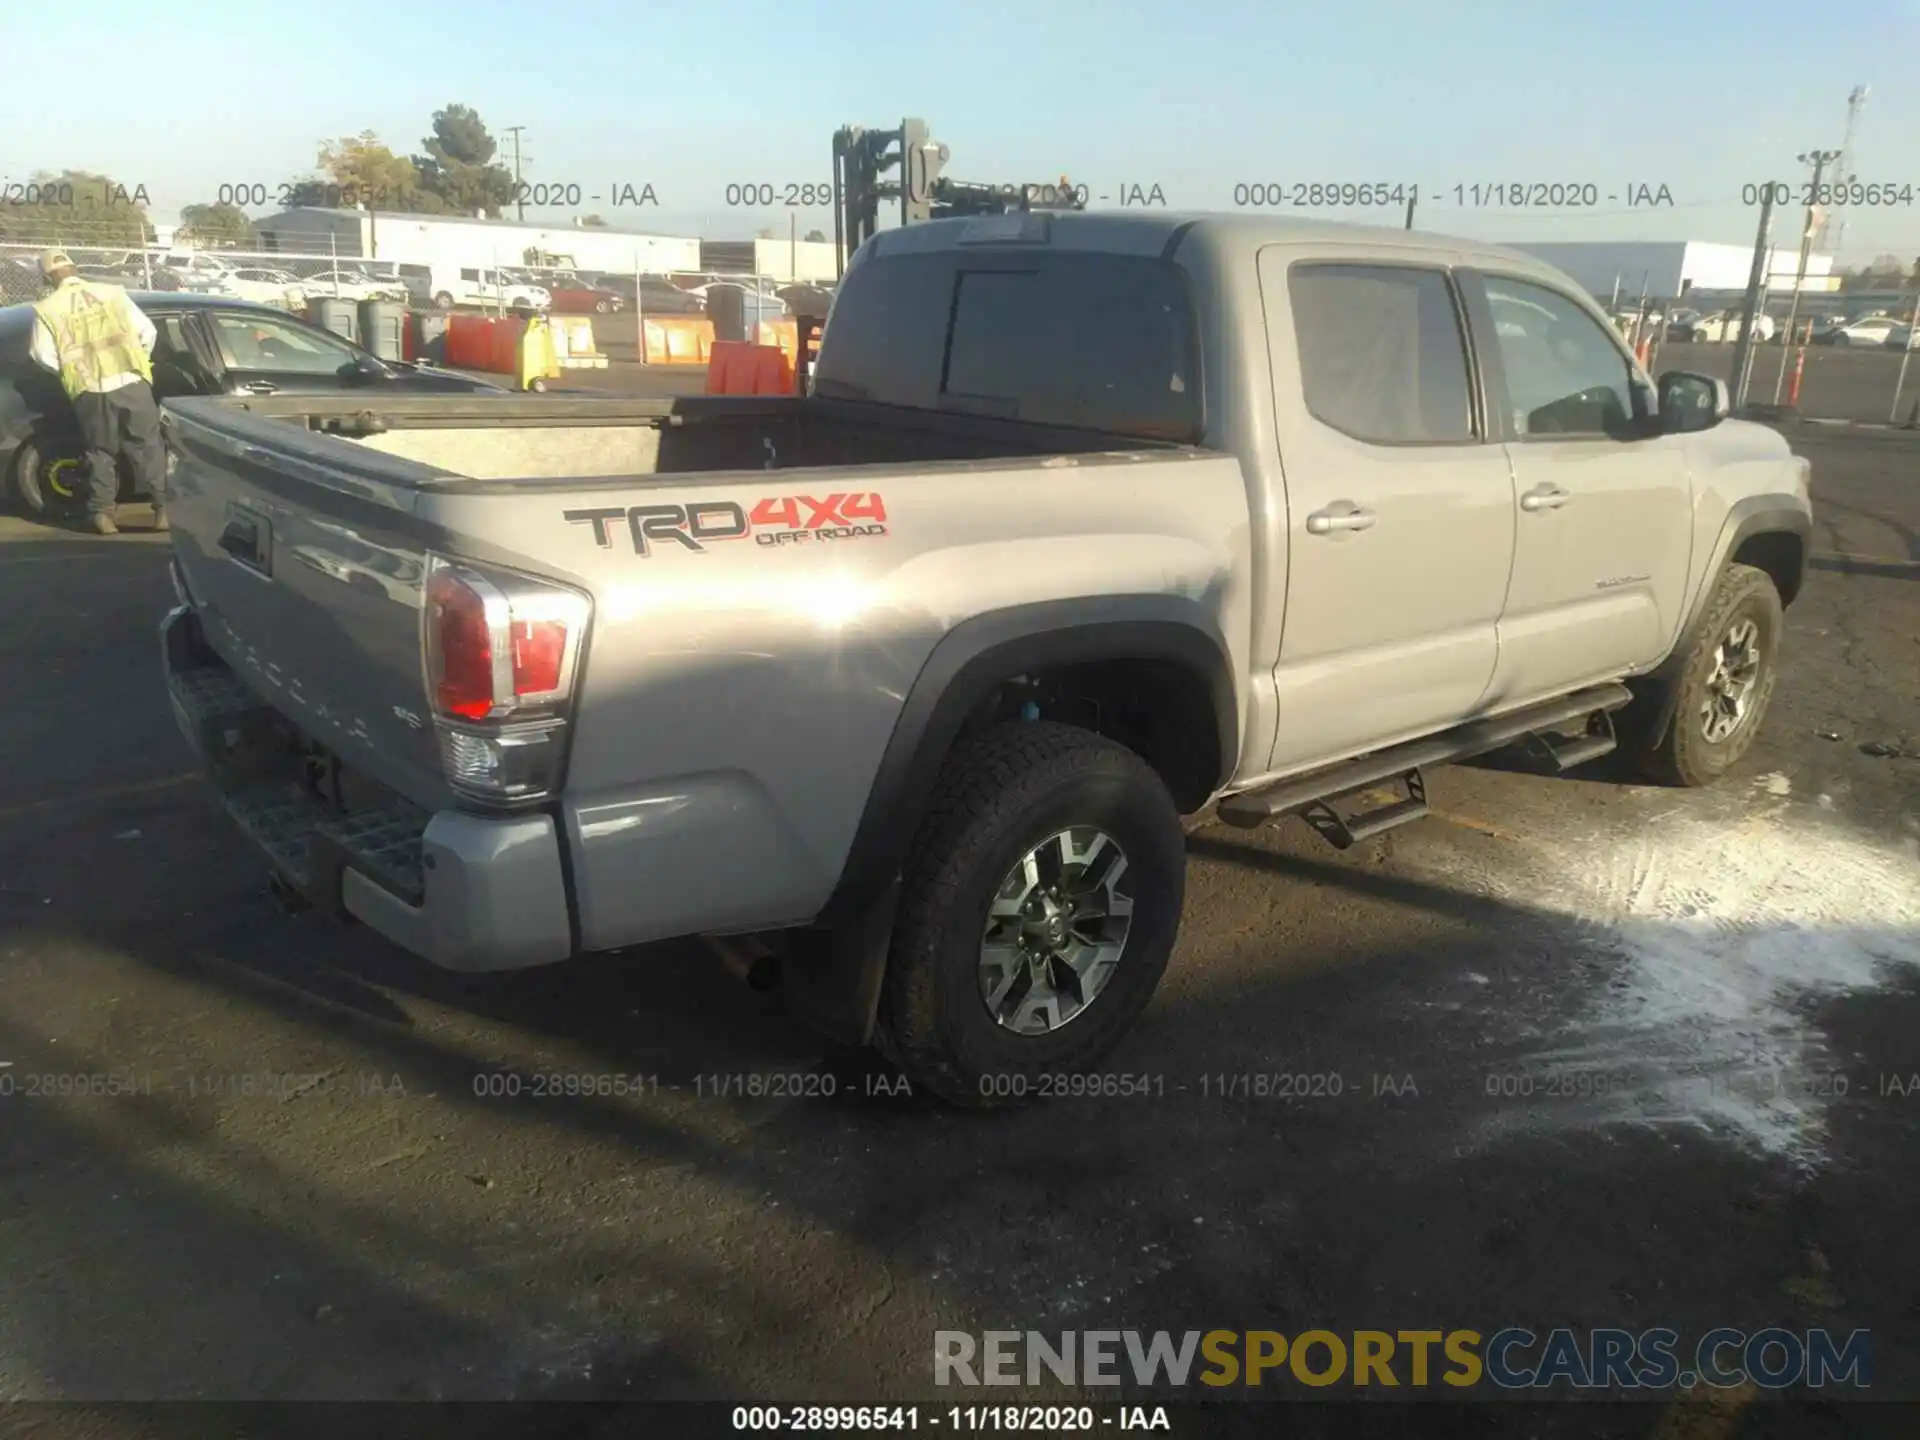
x=779 y=520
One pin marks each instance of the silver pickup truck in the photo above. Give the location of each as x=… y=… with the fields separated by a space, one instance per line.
x=900 y=691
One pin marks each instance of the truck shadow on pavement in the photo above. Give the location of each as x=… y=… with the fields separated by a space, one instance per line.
x=599 y=1247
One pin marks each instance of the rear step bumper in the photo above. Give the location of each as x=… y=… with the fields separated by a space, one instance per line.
x=1476 y=737
x=468 y=892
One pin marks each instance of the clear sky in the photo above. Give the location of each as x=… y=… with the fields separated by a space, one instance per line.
x=1195 y=98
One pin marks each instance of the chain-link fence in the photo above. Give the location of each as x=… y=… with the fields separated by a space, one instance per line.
x=293 y=280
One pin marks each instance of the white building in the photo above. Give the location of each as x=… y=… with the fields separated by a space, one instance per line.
x=1666 y=269
x=457 y=240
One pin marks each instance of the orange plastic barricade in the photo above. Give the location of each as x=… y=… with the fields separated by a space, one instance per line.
x=676 y=341
x=738 y=368
x=783 y=335
x=574 y=346
x=470 y=342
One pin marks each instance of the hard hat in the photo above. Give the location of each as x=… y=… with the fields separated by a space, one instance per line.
x=52 y=260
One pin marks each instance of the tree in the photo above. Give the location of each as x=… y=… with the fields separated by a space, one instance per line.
x=766 y=232
x=458 y=169
x=593 y=222
x=814 y=237
x=359 y=170
x=216 y=225
x=76 y=208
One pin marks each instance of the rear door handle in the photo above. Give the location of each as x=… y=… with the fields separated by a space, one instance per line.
x=1346 y=516
x=260 y=387
x=1544 y=497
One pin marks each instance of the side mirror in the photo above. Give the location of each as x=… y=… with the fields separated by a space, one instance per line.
x=1690 y=402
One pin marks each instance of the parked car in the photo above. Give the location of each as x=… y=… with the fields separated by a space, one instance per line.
x=473 y=285
x=573 y=295
x=1902 y=337
x=278 y=288
x=1270 y=582
x=657 y=296
x=1861 y=331
x=204 y=345
x=351 y=285
x=1724 y=326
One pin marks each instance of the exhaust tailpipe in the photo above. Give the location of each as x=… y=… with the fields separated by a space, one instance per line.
x=747 y=958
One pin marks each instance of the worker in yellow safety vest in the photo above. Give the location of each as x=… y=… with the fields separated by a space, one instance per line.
x=95 y=338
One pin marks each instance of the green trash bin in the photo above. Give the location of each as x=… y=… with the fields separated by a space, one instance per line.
x=342 y=317
x=383 y=325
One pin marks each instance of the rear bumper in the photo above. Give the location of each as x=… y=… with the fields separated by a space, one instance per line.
x=467 y=892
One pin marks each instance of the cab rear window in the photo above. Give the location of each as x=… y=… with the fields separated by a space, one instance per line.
x=1097 y=342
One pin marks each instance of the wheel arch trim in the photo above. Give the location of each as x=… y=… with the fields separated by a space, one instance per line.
x=1753 y=516
x=977 y=656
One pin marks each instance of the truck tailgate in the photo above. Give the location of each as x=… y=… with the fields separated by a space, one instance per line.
x=305 y=564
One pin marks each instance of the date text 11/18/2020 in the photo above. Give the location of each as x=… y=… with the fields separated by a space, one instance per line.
x=1478 y=195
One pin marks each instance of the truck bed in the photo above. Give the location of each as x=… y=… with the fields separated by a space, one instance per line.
x=302 y=531
x=552 y=437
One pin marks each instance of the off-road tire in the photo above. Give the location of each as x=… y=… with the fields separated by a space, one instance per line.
x=1685 y=756
x=34 y=497
x=999 y=795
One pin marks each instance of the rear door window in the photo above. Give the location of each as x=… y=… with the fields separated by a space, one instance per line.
x=1097 y=342
x=1382 y=355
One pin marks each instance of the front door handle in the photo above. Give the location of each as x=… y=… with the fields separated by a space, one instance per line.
x=260 y=387
x=1330 y=521
x=1544 y=497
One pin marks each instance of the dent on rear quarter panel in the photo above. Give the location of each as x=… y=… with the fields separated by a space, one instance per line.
x=737 y=702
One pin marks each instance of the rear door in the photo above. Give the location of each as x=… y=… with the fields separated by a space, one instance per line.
x=1604 y=528
x=1399 y=506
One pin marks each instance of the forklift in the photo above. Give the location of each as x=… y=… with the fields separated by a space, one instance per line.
x=861 y=160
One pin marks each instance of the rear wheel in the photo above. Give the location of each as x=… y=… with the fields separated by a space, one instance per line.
x=1727 y=685
x=48 y=485
x=1041 y=901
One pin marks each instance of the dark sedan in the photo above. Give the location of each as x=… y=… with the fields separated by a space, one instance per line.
x=204 y=345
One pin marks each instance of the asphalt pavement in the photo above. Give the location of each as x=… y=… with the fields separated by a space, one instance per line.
x=1576 y=1052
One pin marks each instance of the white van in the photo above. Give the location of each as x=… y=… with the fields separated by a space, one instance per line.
x=482 y=286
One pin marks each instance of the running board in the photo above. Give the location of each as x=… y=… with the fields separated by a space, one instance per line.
x=1560 y=753
x=1343 y=832
x=1476 y=737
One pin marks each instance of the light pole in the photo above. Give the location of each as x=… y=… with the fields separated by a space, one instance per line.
x=519 y=206
x=1819 y=159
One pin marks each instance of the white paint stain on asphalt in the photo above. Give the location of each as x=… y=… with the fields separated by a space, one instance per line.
x=1720 y=940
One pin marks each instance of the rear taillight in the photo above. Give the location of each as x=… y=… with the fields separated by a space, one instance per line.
x=501 y=655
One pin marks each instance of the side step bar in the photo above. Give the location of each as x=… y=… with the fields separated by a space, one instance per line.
x=1403 y=762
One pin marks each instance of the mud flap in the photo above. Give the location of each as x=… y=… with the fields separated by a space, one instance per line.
x=831 y=979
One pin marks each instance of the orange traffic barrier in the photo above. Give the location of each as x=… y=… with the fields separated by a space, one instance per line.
x=469 y=343
x=503 y=345
x=783 y=335
x=574 y=346
x=676 y=340
x=738 y=368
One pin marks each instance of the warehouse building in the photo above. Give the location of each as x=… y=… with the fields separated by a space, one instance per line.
x=1665 y=269
x=459 y=240
x=450 y=240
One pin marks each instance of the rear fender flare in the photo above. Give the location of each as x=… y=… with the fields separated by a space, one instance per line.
x=834 y=967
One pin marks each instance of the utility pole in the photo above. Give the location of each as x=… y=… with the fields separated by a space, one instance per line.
x=1756 y=279
x=1411 y=199
x=1834 y=226
x=1819 y=159
x=519 y=209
